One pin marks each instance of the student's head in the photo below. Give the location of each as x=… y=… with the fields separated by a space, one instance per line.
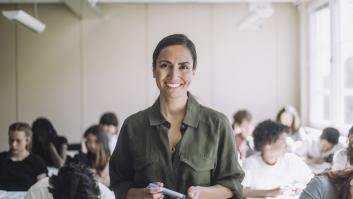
x=43 y=132
x=343 y=179
x=97 y=144
x=74 y=181
x=174 y=65
x=328 y=139
x=19 y=138
x=243 y=119
x=270 y=137
x=289 y=117
x=109 y=122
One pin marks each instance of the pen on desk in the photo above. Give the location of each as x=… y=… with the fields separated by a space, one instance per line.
x=168 y=192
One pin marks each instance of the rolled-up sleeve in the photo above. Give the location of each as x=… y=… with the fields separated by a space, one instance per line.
x=228 y=172
x=120 y=165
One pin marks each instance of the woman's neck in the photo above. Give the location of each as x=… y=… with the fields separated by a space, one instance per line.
x=173 y=108
x=20 y=156
x=268 y=158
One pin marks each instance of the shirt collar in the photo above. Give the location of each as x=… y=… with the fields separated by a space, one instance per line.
x=192 y=116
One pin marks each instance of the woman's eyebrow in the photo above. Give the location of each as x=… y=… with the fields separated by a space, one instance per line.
x=164 y=61
x=186 y=62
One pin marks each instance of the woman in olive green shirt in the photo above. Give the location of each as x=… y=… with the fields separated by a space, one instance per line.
x=178 y=142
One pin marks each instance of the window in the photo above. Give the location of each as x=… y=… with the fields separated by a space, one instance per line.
x=331 y=63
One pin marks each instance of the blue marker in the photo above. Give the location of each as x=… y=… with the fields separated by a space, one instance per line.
x=168 y=192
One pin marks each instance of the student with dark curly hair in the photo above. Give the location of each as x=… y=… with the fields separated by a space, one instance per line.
x=344 y=157
x=272 y=168
x=74 y=181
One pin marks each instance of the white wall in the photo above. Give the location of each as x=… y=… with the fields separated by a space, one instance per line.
x=77 y=69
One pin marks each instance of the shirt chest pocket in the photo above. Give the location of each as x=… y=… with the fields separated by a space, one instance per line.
x=146 y=170
x=196 y=169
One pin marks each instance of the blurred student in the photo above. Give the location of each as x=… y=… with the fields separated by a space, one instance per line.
x=19 y=169
x=47 y=144
x=110 y=123
x=243 y=128
x=330 y=185
x=95 y=153
x=321 y=150
x=272 y=170
x=289 y=117
x=344 y=157
x=74 y=181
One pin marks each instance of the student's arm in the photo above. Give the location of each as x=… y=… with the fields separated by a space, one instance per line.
x=216 y=191
x=41 y=176
x=262 y=193
x=314 y=160
x=59 y=158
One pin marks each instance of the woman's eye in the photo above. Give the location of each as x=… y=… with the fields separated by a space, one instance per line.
x=163 y=65
x=184 y=67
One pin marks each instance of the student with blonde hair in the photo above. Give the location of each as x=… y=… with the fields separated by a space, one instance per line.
x=19 y=169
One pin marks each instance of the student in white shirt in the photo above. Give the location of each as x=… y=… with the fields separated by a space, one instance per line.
x=110 y=123
x=74 y=181
x=344 y=157
x=321 y=150
x=272 y=170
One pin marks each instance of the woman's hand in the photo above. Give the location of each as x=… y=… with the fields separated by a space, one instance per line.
x=195 y=192
x=146 y=193
x=83 y=145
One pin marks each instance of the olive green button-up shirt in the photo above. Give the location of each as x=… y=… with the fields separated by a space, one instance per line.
x=205 y=155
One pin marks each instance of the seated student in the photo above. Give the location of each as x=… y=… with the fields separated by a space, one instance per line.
x=344 y=157
x=330 y=185
x=272 y=168
x=95 y=153
x=74 y=181
x=289 y=117
x=19 y=169
x=110 y=124
x=47 y=144
x=242 y=126
x=319 y=151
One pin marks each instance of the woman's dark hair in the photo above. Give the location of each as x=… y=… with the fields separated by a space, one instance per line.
x=296 y=119
x=43 y=134
x=240 y=115
x=74 y=181
x=350 y=148
x=24 y=127
x=109 y=118
x=176 y=39
x=267 y=132
x=331 y=135
x=103 y=153
x=342 y=178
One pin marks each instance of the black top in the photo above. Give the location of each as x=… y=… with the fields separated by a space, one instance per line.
x=20 y=175
x=45 y=153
